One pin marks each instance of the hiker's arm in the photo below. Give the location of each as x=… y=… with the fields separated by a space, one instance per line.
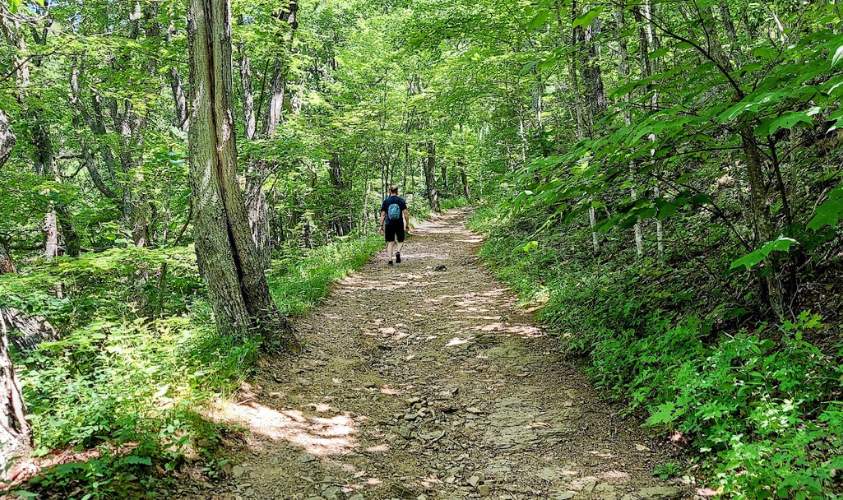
x=383 y=217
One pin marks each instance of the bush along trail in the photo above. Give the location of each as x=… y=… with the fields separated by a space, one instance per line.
x=427 y=380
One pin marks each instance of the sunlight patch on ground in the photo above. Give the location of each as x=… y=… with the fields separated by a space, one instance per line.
x=457 y=341
x=319 y=436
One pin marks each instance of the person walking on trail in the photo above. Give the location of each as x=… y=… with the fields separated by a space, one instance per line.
x=394 y=220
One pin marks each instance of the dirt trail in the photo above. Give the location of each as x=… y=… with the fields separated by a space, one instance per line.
x=426 y=380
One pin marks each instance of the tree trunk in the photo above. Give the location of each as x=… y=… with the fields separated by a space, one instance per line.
x=15 y=434
x=7 y=265
x=225 y=250
x=278 y=93
x=7 y=143
x=584 y=121
x=258 y=212
x=50 y=230
x=31 y=330
x=7 y=138
x=623 y=69
x=429 y=179
x=248 y=96
x=179 y=98
x=464 y=180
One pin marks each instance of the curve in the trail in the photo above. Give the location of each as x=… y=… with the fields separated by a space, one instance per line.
x=427 y=380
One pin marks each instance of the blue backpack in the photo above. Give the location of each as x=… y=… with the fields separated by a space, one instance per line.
x=394 y=212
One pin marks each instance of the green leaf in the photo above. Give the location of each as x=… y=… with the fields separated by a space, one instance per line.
x=664 y=414
x=837 y=57
x=588 y=18
x=752 y=259
x=789 y=120
x=530 y=246
x=539 y=20
x=136 y=460
x=829 y=212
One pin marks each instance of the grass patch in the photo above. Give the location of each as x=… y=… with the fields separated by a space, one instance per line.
x=298 y=282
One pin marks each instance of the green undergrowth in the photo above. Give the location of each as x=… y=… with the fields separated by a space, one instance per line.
x=299 y=281
x=758 y=406
x=138 y=357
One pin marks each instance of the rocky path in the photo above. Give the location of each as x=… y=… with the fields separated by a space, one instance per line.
x=426 y=380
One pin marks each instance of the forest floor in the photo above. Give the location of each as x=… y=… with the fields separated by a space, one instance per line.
x=428 y=380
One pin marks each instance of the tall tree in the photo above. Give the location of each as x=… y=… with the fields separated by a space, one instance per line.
x=225 y=249
x=429 y=164
x=15 y=435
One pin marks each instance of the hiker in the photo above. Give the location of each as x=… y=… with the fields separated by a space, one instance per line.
x=394 y=220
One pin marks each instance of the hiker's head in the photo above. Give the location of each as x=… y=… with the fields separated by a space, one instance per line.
x=393 y=190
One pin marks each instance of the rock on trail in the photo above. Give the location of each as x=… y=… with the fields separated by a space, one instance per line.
x=426 y=380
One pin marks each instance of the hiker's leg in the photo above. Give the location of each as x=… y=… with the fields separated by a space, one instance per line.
x=390 y=248
x=399 y=239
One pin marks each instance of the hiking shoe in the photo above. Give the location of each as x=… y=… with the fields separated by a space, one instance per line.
x=398 y=257
x=389 y=263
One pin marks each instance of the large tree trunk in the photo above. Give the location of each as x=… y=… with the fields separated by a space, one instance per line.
x=15 y=435
x=225 y=250
x=429 y=179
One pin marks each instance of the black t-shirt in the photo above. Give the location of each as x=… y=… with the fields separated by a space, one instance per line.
x=385 y=208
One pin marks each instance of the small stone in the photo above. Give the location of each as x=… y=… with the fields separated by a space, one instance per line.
x=660 y=492
x=473 y=481
x=484 y=490
x=641 y=447
x=238 y=471
x=565 y=495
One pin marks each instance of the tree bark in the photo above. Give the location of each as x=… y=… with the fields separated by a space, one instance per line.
x=624 y=70
x=429 y=178
x=650 y=42
x=15 y=434
x=179 y=98
x=7 y=138
x=278 y=92
x=248 y=95
x=225 y=250
x=7 y=143
x=464 y=180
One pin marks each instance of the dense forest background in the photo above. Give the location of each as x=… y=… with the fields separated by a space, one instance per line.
x=662 y=178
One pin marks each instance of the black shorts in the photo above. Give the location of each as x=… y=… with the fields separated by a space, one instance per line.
x=393 y=232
